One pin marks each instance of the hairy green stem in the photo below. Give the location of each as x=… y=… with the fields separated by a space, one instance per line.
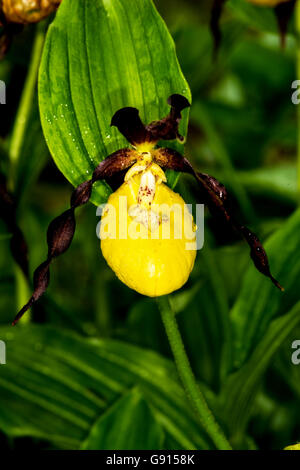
x=187 y=377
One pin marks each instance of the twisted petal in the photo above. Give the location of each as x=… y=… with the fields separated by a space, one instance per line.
x=283 y=13
x=129 y=123
x=214 y=195
x=167 y=128
x=61 y=230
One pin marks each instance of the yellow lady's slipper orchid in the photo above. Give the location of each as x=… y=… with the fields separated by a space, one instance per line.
x=147 y=233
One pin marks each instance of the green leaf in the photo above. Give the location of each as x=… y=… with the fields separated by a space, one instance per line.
x=279 y=182
x=100 y=56
x=256 y=16
x=128 y=425
x=241 y=388
x=33 y=156
x=57 y=384
x=144 y=316
x=259 y=301
x=202 y=118
x=5 y=234
x=284 y=366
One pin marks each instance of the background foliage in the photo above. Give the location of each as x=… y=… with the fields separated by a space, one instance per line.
x=93 y=369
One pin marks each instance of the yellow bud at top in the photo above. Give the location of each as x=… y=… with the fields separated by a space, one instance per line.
x=268 y=3
x=28 y=11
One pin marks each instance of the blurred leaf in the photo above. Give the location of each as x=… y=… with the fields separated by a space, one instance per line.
x=232 y=260
x=99 y=57
x=180 y=300
x=56 y=384
x=205 y=318
x=242 y=387
x=33 y=155
x=259 y=301
x=283 y=365
x=278 y=182
x=144 y=317
x=128 y=425
x=5 y=234
x=202 y=118
x=259 y=17
x=201 y=320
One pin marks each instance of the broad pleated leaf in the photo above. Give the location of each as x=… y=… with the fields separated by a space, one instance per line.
x=256 y=16
x=56 y=385
x=128 y=425
x=100 y=56
x=243 y=386
x=259 y=302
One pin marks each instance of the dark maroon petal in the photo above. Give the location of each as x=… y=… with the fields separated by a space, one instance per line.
x=167 y=128
x=258 y=254
x=117 y=161
x=171 y=159
x=129 y=123
x=61 y=230
x=178 y=103
x=82 y=194
x=60 y=233
x=283 y=13
x=214 y=195
x=216 y=13
x=41 y=278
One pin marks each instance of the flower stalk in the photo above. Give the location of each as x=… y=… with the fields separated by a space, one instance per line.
x=187 y=377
